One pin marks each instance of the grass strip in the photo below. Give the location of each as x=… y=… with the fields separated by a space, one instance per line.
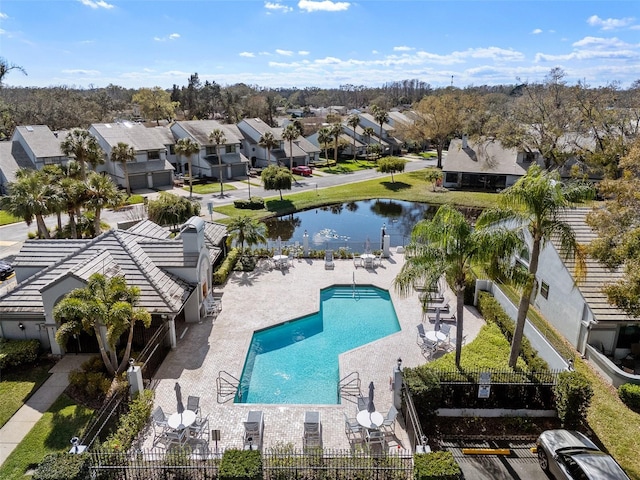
x=17 y=386
x=62 y=421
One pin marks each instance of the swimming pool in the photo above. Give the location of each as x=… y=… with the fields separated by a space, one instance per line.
x=297 y=361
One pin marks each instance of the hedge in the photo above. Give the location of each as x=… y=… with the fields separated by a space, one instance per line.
x=629 y=393
x=493 y=312
x=436 y=466
x=573 y=397
x=224 y=270
x=254 y=203
x=14 y=353
x=63 y=466
x=131 y=423
x=240 y=465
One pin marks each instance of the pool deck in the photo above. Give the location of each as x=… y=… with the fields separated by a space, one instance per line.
x=265 y=297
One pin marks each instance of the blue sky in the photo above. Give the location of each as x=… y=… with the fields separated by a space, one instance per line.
x=328 y=43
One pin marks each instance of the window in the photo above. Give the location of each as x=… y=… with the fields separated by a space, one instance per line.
x=529 y=157
x=544 y=289
x=172 y=149
x=153 y=155
x=451 y=177
x=230 y=148
x=211 y=151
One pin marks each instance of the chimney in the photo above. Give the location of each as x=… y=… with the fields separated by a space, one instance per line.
x=465 y=140
x=192 y=235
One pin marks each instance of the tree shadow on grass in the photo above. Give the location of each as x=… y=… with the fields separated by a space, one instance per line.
x=280 y=206
x=395 y=186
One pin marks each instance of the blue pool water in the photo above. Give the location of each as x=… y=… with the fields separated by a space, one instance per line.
x=297 y=362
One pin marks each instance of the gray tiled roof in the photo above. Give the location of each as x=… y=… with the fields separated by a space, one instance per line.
x=136 y=135
x=131 y=253
x=597 y=275
x=164 y=134
x=482 y=157
x=42 y=141
x=201 y=129
x=261 y=127
x=12 y=158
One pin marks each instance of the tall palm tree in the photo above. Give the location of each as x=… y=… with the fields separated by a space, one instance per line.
x=246 y=229
x=218 y=137
x=336 y=131
x=29 y=197
x=353 y=121
x=80 y=145
x=268 y=141
x=368 y=132
x=324 y=138
x=381 y=116
x=187 y=148
x=290 y=133
x=108 y=308
x=448 y=245
x=100 y=193
x=123 y=153
x=73 y=193
x=536 y=203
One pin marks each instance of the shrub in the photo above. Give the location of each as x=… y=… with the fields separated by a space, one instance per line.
x=573 y=396
x=131 y=423
x=493 y=312
x=254 y=203
x=436 y=466
x=14 y=353
x=629 y=393
x=91 y=379
x=62 y=466
x=224 y=270
x=425 y=389
x=240 y=464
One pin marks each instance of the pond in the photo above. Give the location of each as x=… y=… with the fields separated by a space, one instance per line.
x=349 y=225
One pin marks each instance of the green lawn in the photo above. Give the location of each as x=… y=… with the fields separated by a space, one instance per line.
x=6 y=218
x=206 y=188
x=17 y=387
x=51 y=434
x=407 y=186
x=348 y=166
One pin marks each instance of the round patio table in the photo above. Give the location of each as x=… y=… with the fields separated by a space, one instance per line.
x=371 y=420
x=179 y=421
x=435 y=336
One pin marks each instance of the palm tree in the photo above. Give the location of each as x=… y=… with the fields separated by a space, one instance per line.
x=6 y=67
x=73 y=193
x=381 y=116
x=218 y=137
x=29 y=197
x=324 y=138
x=290 y=133
x=353 y=121
x=84 y=148
x=187 y=147
x=535 y=203
x=108 y=308
x=268 y=141
x=448 y=245
x=100 y=193
x=336 y=131
x=123 y=153
x=368 y=132
x=246 y=229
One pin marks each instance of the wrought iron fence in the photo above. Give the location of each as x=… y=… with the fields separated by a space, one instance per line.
x=104 y=418
x=277 y=464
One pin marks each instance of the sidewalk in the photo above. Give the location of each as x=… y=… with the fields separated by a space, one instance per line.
x=12 y=433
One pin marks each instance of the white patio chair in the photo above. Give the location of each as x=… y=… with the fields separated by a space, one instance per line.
x=253 y=429
x=328 y=260
x=312 y=430
x=368 y=262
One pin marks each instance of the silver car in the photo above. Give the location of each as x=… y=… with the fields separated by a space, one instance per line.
x=568 y=454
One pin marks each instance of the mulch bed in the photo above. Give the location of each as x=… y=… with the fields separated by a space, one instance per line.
x=495 y=428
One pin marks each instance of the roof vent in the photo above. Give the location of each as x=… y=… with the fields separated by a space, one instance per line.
x=29 y=128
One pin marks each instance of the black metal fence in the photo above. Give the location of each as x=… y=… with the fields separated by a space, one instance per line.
x=104 y=419
x=321 y=464
x=155 y=351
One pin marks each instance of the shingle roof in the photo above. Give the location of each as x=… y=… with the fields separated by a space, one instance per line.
x=136 y=135
x=482 y=157
x=42 y=141
x=12 y=158
x=132 y=253
x=201 y=129
x=597 y=275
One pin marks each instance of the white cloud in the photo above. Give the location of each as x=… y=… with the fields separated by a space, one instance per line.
x=536 y=31
x=174 y=36
x=375 y=52
x=2 y=32
x=601 y=43
x=303 y=52
x=265 y=54
x=609 y=23
x=323 y=6
x=277 y=6
x=286 y=53
x=403 y=48
x=98 y=4
x=247 y=54
x=3 y=16
x=80 y=71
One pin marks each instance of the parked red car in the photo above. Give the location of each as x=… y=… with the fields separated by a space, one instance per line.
x=302 y=170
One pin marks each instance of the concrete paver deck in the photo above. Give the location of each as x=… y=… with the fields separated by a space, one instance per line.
x=12 y=432
x=265 y=297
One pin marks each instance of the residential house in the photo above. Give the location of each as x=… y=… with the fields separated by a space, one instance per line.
x=485 y=164
x=150 y=169
x=233 y=162
x=173 y=275
x=388 y=142
x=252 y=130
x=580 y=311
x=40 y=144
x=301 y=151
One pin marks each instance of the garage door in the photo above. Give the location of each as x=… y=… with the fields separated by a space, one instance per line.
x=161 y=179
x=137 y=182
